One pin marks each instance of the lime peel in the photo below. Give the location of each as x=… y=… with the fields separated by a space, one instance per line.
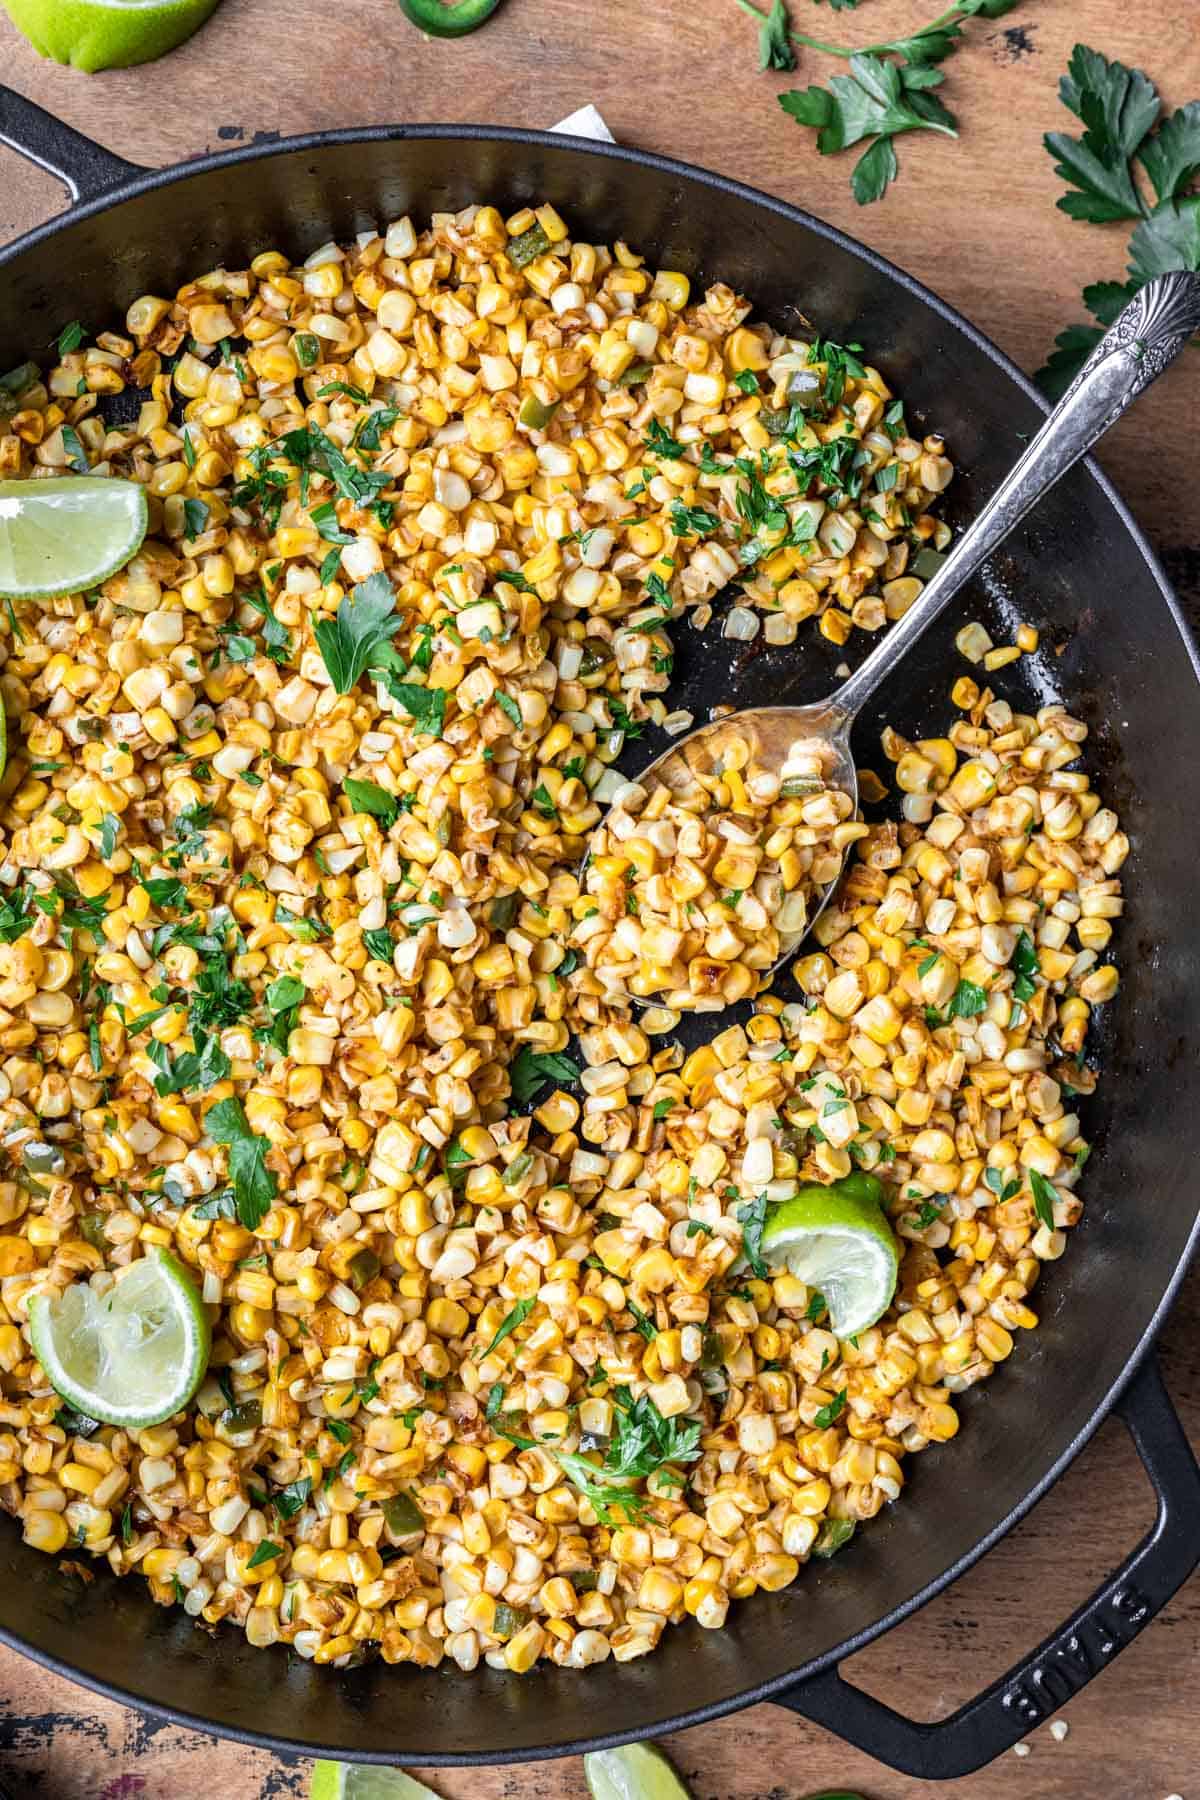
x=107 y=34
x=837 y=1240
x=364 y=1781
x=68 y=533
x=132 y=1356
x=632 y=1772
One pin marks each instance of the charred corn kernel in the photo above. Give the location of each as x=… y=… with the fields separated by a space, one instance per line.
x=45 y=1531
x=447 y=1318
x=523 y=1649
x=659 y=1591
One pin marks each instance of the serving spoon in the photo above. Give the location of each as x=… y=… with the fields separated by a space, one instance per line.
x=1144 y=340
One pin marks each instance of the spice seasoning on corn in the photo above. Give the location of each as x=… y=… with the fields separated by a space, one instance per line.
x=700 y=880
x=293 y=830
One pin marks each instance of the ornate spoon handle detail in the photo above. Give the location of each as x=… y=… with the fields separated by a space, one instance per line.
x=1145 y=340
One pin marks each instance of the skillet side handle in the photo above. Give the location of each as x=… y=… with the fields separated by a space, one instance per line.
x=1067 y=1660
x=84 y=168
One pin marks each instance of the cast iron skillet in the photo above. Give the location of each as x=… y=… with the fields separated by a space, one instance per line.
x=1116 y=649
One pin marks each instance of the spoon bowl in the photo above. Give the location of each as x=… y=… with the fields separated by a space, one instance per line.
x=808 y=747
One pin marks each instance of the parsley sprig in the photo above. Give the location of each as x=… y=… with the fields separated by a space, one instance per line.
x=1129 y=163
x=254 y=1185
x=364 y=621
x=643 y=1443
x=880 y=98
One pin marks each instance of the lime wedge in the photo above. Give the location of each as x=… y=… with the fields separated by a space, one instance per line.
x=360 y=1781
x=837 y=1240
x=107 y=34
x=634 y=1772
x=131 y=1357
x=68 y=533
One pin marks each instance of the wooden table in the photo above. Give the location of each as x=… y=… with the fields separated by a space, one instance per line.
x=978 y=222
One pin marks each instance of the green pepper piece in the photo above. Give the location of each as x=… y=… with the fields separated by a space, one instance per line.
x=712 y=1354
x=535 y=413
x=527 y=247
x=402 y=1515
x=833 y=1536
x=76 y=1423
x=504 y=911
x=452 y=20
x=635 y=374
x=43 y=1159
x=91 y=1230
x=582 y=1580
x=307 y=349
x=508 y=1620
x=927 y=562
x=364 y=1267
x=18 y=379
x=776 y=419
x=247 y=1416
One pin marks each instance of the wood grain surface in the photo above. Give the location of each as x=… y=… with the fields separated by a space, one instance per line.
x=977 y=221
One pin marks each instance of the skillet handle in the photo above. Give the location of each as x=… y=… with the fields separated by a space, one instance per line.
x=84 y=168
x=1066 y=1661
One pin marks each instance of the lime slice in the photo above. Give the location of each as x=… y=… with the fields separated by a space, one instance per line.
x=634 y=1772
x=68 y=533
x=359 y=1781
x=107 y=34
x=133 y=1356
x=837 y=1240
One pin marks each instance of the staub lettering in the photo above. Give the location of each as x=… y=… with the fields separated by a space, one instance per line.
x=1075 y=1657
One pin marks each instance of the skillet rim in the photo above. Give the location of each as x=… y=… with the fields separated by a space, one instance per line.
x=693 y=174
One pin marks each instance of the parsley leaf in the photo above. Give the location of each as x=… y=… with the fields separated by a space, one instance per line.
x=532 y=1069
x=16 y=918
x=642 y=1439
x=254 y=1185
x=753 y=1217
x=289 y=1500
x=876 y=100
x=1025 y=963
x=826 y=1415
x=264 y=1552
x=1121 y=110
x=198 y=1068
x=509 y=1323
x=1044 y=1196
x=603 y=1496
x=774 y=42
x=643 y=1325
x=76 y=454
x=365 y=619
x=659 y=440
x=368 y=797
x=427 y=706
x=1118 y=107
x=967 y=1000
x=689 y=521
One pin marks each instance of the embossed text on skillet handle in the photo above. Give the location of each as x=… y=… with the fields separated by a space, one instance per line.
x=1043 y=1680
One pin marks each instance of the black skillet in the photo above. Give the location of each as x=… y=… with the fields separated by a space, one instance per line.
x=1116 y=649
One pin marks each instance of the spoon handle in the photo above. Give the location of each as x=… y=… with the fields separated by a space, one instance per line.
x=1145 y=339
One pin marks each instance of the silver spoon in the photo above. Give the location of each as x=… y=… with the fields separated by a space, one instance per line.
x=1143 y=342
